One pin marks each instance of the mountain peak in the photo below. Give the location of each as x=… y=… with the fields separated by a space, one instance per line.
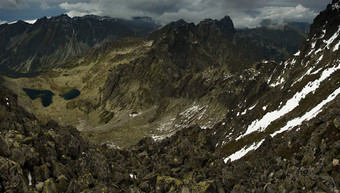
x=178 y=23
x=227 y=26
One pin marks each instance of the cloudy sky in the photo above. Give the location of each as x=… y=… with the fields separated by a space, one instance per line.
x=244 y=13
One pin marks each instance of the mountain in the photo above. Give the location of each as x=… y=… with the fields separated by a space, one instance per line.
x=191 y=109
x=276 y=41
x=30 y=49
x=177 y=76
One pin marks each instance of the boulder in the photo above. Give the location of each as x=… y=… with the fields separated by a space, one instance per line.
x=50 y=186
x=62 y=183
x=336 y=122
x=18 y=156
x=4 y=149
x=168 y=184
x=39 y=186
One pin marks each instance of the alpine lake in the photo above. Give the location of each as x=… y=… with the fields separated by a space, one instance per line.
x=46 y=96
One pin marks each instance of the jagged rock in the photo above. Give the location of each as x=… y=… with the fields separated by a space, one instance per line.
x=12 y=176
x=39 y=186
x=335 y=162
x=18 y=156
x=49 y=187
x=4 y=149
x=144 y=186
x=336 y=122
x=62 y=183
x=271 y=188
x=168 y=184
x=58 y=169
x=204 y=186
x=41 y=173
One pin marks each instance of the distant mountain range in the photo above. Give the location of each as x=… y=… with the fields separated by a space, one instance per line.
x=31 y=48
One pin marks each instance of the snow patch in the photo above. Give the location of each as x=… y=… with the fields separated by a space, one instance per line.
x=161 y=137
x=267 y=119
x=242 y=152
x=309 y=115
x=32 y=21
x=252 y=107
x=282 y=80
x=133 y=176
x=331 y=39
x=336 y=6
x=297 y=53
x=319 y=59
x=166 y=126
x=323 y=33
x=29 y=179
x=134 y=114
x=313 y=45
x=336 y=47
x=191 y=112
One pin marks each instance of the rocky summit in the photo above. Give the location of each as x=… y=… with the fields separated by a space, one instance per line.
x=186 y=108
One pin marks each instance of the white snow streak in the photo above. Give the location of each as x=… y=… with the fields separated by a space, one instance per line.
x=309 y=115
x=297 y=53
x=242 y=152
x=133 y=176
x=331 y=39
x=282 y=80
x=267 y=119
x=29 y=179
x=252 y=107
x=336 y=47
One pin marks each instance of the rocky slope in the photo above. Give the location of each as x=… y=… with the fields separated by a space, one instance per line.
x=38 y=157
x=28 y=49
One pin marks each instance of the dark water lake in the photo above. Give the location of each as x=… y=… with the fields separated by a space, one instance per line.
x=74 y=93
x=45 y=95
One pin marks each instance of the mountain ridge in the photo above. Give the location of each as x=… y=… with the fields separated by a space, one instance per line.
x=51 y=40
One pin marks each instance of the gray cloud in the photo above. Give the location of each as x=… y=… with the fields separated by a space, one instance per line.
x=12 y=4
x=243 y=12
